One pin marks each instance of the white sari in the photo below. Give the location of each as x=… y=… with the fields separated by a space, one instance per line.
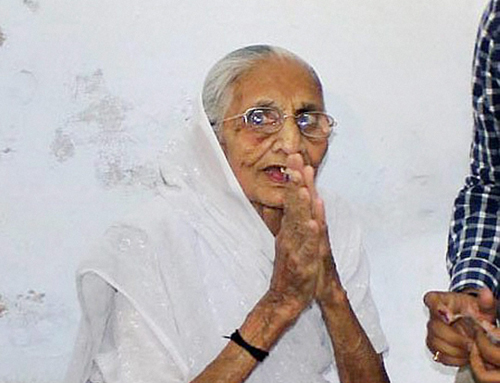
x=165 y=284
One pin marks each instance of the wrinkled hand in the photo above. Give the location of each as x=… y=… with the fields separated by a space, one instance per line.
x=328 y=278
x=452 y=337
x=485 y=358
x=304 y=267
x=297 y=243
x=485 y=353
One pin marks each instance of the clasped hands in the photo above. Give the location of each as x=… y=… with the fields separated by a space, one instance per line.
x=304 y=268
x=460 y=331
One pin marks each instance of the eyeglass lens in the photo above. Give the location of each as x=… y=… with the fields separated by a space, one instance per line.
x=270 y=119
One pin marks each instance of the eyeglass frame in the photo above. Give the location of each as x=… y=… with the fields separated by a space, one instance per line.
x=279 y=123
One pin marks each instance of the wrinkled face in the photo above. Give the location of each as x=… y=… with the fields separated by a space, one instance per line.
x=257 y=159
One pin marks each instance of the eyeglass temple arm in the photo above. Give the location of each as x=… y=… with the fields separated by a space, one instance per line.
x=233 y=117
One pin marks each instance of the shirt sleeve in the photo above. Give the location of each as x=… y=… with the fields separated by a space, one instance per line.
x=130 y=353
x=474 y=237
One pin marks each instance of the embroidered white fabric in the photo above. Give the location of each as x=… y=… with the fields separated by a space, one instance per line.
x=166 y=283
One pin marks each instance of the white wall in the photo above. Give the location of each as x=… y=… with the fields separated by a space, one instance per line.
x=88 y=91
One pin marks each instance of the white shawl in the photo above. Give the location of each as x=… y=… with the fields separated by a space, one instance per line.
x=195 y=261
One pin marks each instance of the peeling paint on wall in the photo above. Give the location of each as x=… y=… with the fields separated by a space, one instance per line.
x=111 y=173
x=62 y=147
x=2 y=37
x=8 y=142
x=29 y=319
x=32 y=5
x=106 y=123
x=22 y=303
x=3 y=307
x=23 y=306
x=108 y=112
x=32 y=296
x=88 y=84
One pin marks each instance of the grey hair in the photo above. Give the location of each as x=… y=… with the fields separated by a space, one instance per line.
x=217 y=87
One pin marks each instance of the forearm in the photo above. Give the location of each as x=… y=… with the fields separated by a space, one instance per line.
x=355 y=357
x=262 y=328
x=473 y=239
x=472 y=243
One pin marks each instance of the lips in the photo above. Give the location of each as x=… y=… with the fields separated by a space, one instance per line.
x=277 y=173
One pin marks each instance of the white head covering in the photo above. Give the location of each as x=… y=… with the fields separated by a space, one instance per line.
x=196 y=260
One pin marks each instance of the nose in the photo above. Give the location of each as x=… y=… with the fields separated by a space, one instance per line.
x=289 y=139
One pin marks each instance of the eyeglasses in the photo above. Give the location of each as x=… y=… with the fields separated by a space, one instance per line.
x=270 y=120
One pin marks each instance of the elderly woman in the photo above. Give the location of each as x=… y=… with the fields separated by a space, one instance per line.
x=238 y=271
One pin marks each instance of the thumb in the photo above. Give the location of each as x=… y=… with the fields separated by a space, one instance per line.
x=487 y=302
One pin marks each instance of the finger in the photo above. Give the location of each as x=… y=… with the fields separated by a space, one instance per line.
x=446 y=353
x=292 y=191
x=328 y=276
x=310 y=245
x=487 y=302
x=295 y=162
x=444 y=338
x=297 y=214
x=324 y=240
x=449 y=356
x=295 y=169
x=302 y=263
x=325 y=248
x=297 y=204
x=296 y=178
x=466 y=326
x=304 y=204
x=308 y=174
x=447 y=305
x=449 y=360
x=437 y=303
x=441 y=299
x=305 y=264
x=433 y=298
x=319 y=213
x=493 y=333
x=489 y=352
x=479 y=369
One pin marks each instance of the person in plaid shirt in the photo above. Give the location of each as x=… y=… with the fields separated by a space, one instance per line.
x=460 y=329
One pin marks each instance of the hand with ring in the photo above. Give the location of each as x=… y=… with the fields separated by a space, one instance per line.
x=435 y=358
x=450 y=329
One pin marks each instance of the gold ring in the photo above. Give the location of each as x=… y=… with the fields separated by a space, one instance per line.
x=435 y=358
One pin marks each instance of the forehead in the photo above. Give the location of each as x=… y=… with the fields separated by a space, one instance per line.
x=278 y=81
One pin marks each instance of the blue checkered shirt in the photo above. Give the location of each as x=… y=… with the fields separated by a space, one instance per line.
x=473 y=257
